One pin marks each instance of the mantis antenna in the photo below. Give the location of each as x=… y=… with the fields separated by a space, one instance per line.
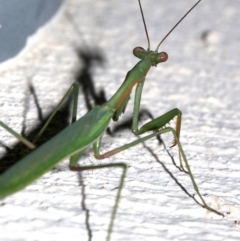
x=145 y=27
x=170 y=30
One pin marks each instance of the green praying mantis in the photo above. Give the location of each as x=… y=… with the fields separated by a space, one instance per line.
x=89 y=129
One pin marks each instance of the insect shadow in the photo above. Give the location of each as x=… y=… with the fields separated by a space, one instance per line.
x=61 y=119
x=168 y=172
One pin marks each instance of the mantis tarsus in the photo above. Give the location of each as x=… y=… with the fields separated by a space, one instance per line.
x=89 y=129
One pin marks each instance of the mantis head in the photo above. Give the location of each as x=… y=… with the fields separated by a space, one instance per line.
x=154 y=57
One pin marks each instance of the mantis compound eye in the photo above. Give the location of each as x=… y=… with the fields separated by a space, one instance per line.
x=163 y=57
x=137 y=51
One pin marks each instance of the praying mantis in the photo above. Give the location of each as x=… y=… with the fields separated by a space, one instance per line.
x=89 y=129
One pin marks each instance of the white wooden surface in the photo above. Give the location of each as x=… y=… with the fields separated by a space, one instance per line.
x=201 y=77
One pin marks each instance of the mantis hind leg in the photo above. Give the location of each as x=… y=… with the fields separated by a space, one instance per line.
x=123 y=166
